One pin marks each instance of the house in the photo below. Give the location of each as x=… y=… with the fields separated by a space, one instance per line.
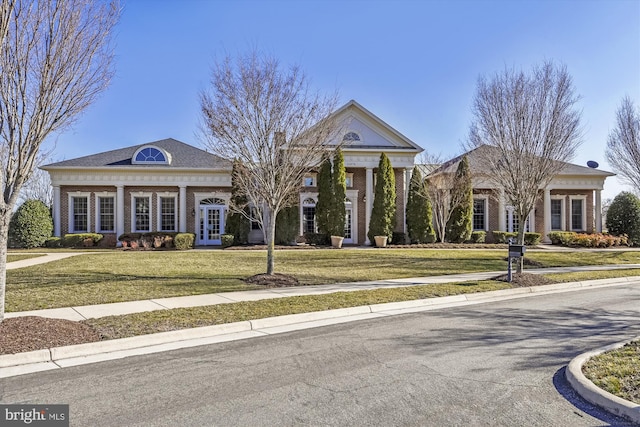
x=171 y=186
x=572 y=201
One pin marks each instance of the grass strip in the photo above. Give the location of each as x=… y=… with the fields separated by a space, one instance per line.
x=112 y=327
x=617 y=371
x=592 y=275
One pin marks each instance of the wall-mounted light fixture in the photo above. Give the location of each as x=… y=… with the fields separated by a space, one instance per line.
x=364 y=198
x=193 y=212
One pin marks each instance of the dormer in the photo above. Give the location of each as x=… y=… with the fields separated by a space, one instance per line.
x=151 y=155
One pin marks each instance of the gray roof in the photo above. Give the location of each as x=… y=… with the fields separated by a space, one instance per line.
x=474 y=157
x=183 y=156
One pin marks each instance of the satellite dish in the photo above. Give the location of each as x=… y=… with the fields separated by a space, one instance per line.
x=592 y=164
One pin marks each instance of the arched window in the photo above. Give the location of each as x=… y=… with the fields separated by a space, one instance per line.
x=351 y=137
x=213 y=201
x=309 y=215
x=151 y=155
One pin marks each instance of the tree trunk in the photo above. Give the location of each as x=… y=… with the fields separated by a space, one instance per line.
x=5 y=217
x=271 y=234
x=520 y=241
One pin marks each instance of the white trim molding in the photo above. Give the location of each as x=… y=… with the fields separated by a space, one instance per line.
x=71 y=196
x=105 y=194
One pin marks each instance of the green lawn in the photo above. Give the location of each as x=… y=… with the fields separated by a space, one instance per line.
x=125 y=276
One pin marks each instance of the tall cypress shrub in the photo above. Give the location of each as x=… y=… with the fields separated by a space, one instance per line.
x=418 y=210
x=287 y=225
x=460 y=224
x=238 y=223
x=383 y=215
x=325 y=199
x=339 y=186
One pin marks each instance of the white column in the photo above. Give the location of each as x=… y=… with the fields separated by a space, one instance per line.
x=598 y=215
x=182 y=197
x=547 y=215
x=368 y=204
x=502 y=213
x=120 y=211
x=56 y=211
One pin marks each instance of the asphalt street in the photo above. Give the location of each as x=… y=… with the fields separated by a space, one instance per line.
x=489 y=364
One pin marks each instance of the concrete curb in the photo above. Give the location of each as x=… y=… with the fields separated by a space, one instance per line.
x=595 y=395
x=58 y=357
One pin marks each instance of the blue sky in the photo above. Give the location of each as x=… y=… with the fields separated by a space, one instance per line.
x=414 y=64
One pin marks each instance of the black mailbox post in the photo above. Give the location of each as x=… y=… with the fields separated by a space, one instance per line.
x=515 y=251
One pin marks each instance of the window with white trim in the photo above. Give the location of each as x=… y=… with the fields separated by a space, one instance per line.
x=578 y=214
x=151 y=155
x=309 y=216
x=310 y=180
x=167 y=213
x=141 y=213
x=351 y=137
x=557 y=213
x=106 y=215
x=479 y=214
x=349 y=180
x=79 y=213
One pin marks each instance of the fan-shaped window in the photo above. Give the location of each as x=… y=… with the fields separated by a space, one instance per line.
x=351 y=137
x=213 y=201
x=150 y=154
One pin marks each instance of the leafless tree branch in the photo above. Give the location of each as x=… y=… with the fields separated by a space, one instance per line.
x=525 y=127
x=56 y=58
x=623 y=144
x=270 y=120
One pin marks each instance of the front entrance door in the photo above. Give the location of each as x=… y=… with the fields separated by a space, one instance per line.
x=348 y=225
x=211 y=225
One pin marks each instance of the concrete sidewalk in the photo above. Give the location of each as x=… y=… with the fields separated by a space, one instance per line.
x=42 y=259
x=129 y=307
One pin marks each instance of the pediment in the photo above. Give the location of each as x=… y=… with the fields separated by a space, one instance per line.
x=363 y=130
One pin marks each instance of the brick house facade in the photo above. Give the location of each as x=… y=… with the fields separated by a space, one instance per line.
x=171 y=186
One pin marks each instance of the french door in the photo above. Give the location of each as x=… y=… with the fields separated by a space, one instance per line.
x=211 y=225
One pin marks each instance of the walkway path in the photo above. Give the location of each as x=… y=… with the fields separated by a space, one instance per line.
x=43 y=259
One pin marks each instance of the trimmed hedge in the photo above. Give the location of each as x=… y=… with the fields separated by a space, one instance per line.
x=317 y=239
x=503 y=236
x=478 y=237
x=564 y=238
x=81 y=240
x=532 y=238
x=53 y=242
x=184 y=241
x=595 y=240
x=227 y=240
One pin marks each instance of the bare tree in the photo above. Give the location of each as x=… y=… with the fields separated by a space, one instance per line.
x=441 y=188
x=269 y=120
x=525 y=126
x=56 y=58
x=623 y=145
x=37 y=187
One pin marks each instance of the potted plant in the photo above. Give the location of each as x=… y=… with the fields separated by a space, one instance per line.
x=336 y=241
x=381 y=241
